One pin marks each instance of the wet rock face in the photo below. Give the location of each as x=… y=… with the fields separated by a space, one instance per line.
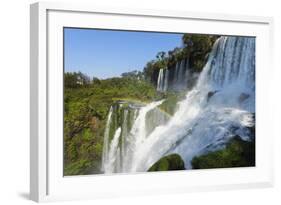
x=210 y=95
x=243 y=97
x=168 y=163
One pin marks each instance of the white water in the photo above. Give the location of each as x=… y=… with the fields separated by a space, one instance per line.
x=109 y=165
x=179 y=79
x=106 y=140
x=137 y=136
x=211 y=113
x=162 y=82
x=165 y=87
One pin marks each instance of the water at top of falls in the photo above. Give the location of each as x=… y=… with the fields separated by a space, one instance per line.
x=231 y=62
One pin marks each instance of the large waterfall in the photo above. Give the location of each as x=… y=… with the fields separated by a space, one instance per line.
x=220 y=106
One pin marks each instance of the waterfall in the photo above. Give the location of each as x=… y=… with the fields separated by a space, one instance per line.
x=113 y=153
x=175 y=76
x=124 y=137
x=181 y=75
x=187 y=74
x=162 y=82
x=203 y=123
x=138 y=135
x=219 y=107
x=165 y=87
x=119 y=153
x=106 y=139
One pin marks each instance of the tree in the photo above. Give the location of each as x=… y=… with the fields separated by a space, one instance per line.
x=135 y=74
x=70 y=80
x=74 y=80
x=83 y=79
x=95 y=80
x=161 y=55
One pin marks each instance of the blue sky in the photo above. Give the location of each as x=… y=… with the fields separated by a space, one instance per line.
x=107 y=53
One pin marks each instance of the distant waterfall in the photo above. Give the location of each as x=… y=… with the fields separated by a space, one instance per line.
x=176 y=79
x=220 y=106
x=162 y=82
x=187 y=76
x=181 y=75
x=175 y=76
x=166 y=80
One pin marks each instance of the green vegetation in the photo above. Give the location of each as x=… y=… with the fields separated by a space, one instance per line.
x=238 y=153
x=75 y=80
x=86 y=106
x=170 y=162
x=195 y=48
x=171 y=99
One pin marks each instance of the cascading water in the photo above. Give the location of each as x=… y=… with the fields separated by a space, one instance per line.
x=179 y=78
x=106 y=140
x=113 y=152
x=137 y=135
x=219 y=107
x=180 y=75
x=162 y=82
x=137 y=122
x=166 y=80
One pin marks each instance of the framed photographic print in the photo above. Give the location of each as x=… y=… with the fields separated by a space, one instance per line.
x=127 y=102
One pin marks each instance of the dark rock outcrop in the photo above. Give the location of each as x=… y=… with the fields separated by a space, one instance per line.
x=168 y=163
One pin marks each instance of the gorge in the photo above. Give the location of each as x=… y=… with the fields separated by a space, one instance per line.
x=190 y=107
x=218 y=107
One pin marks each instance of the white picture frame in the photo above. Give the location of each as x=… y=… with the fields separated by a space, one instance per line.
x=47 y=182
